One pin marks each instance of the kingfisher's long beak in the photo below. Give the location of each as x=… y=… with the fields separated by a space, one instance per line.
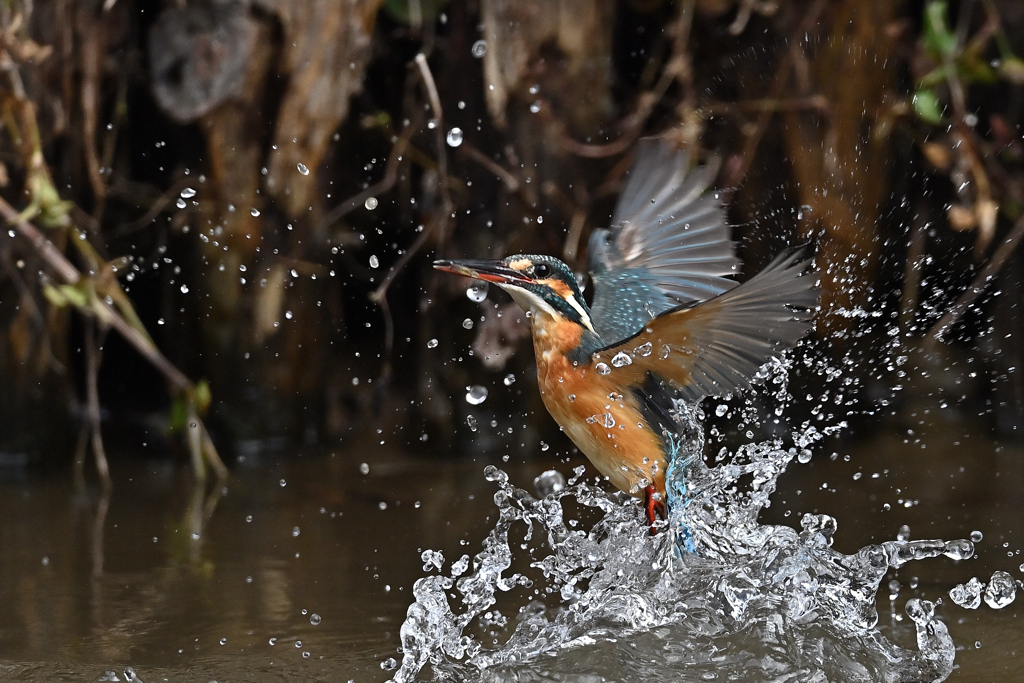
x=489 y=271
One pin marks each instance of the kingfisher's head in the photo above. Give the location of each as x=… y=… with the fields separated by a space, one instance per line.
x=541 y=284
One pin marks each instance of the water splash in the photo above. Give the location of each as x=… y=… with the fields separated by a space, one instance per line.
x=570 y=585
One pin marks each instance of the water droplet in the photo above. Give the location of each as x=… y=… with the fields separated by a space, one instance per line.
x=477 y=291
x=476 y=394
x=180 y=203
x=432 y=124
x=548 y=482
x=721 y=410
x=254 y=211
x=432 y=344
x=1001 y=590
x=509 y=380
x=804 y=456
x=535 y=107
x=977 y=536
x=602 y=369
x=223 y=641
x=471 y=422
x=389 y=664
x=967 y=595
x=184 y=289
x=188 y=193
x=302 y=168
x=454 y=138
x=467 y=323
x=272 y=641
x=370 y=203
x=374 y=262
x=903 y=534
x=296 y=531
x=621 y=359
x=314 y=619
x=643 y=350
x=479 y=48
x=364 y=468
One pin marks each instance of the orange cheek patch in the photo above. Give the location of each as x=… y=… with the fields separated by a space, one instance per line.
x=559 y=287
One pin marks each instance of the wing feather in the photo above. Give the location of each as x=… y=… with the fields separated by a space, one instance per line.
x=715 y=347
x=669 y=243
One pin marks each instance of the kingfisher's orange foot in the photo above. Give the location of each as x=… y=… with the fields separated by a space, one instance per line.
x=653 y=508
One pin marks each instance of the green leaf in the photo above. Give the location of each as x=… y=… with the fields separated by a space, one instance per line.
x=202 y=396
x=1012 y=70
x=973 y=69
x=927 y=106
x=939 y=40
x=55 y=296
x=179 y=415
x=426 y=10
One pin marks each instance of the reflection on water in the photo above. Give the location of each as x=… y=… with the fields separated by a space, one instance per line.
x=80 y=595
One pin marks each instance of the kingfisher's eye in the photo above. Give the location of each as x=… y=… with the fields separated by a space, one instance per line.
x=541 y=270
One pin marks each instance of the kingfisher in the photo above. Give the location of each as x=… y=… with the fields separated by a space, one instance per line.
x=667 y=324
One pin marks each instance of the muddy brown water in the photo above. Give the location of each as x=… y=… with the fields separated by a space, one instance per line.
x=186 y=586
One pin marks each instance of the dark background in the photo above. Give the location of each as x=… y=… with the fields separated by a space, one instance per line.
x=830 y=122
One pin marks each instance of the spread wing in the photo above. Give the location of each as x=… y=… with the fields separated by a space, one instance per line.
x=668 y=243
x=715 y=347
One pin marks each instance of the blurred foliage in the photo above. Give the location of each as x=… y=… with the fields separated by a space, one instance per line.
x=257 y=190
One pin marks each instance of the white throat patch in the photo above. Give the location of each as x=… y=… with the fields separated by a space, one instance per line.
x=529 y=301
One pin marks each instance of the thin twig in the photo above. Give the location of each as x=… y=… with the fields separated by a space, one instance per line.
x=442 y=156
x=735 y=172
x=383 y=185
x=93 y=358
x=440 y=222
x=104 y=311
x=631 y=126
x=512 y=183
x=980 y=282
x=107 y=315
x=154 y=210
x=818 y=102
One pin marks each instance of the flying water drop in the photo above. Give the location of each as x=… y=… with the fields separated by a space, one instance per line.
x=454 y=137
x=302 y=168
x=188 y=193
x=374 y=261
x=370 y=203
x=1001 y=590
x=476 y=394
x=967 y=595
x=477 y=291
x=546 y=483
x=621 y=359
x=479 y=48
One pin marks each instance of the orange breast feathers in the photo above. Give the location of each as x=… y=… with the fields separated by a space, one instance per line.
x=603 y=420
